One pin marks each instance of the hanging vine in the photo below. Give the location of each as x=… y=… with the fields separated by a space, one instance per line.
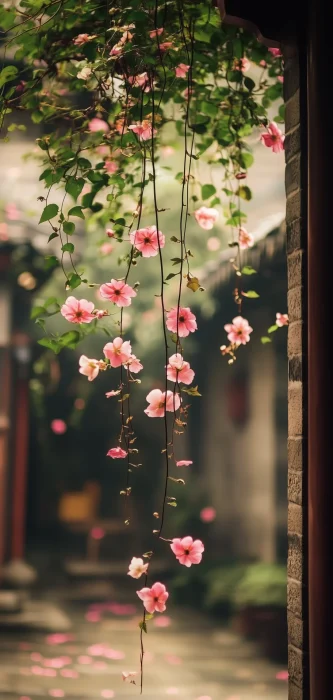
x=138 y=70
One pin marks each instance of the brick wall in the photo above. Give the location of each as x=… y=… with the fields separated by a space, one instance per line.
x=295 y=148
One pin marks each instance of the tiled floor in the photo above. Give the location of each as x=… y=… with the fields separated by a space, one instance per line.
x=189 y=659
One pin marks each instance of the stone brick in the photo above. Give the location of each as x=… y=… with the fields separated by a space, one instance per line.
x=295 y=338
x=296 y=368
x=296 y=410
x=295 y=518
x=297 y=662
x=295 y=597
x=292 y=175
x=295 y=487
x=295 y=557
x=292 y=144
x=296 y=450
x=292 y=117
x=295 y=693
x=296 y=299
x=293 y=208
x=296 y=631
x=296 y=269
x=291 y=77
x=296 y=235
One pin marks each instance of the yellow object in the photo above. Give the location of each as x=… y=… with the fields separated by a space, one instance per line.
x=76 y=507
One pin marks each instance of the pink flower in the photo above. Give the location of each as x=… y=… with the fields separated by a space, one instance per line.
x=129 y=676
x=146 y=241
x=11 y=211
x=116 y=453
x=178 y=370
x=166 y=45
x=274 y=139
x=107 y=694
x=182 y=70
x=97 y=533
x=106 y=248
x=82 y=39
x=206 y=217
x=208 y=514
x=110 y=166
x=118 y=352
x=134 y=365
x=156 y=32
x=167 y=151
x=141 y=80
x=187 y=550
x=164 y=621
x=184 y=463
x=263 y=64
x=58 y=426
x=186 y=321
x=282 y=676
x=57 y=693
x=280 y=78
x=112 y=393
x=120 y=125
x=154 y=598
x=89 y=367
x=213 y=243
x=275 y=52
x=158 y=405
x=97 y=124
x=282 y=320
x=110 y=233
x=137 y=567
x=238 y=331
x=242 y=64
x=245 y=239
x=100 y=313
x=77 y=310
x=143 y=130
x=116 y=50
x=118 y=292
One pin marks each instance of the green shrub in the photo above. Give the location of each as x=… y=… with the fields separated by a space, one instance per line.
x=261 y=585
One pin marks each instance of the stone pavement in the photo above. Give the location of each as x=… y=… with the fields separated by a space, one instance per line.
x=189 y=659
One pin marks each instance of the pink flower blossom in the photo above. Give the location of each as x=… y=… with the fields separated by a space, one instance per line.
x=158 y=405
x=110 y=233
x=263 y=64
x=137 y=567
x=184 y=463
x=134 y=365
x=12 y=212
x=118 y=352
x=120 y=125
x=116 y=50
x=156 y=32
x=154 y=598
x=164 y=621
x=89 y=367
x=110 y=166
x=82 y=39
x=97 y=124
x=213 y=243
x=206 y=217
x=146 y=241
x=167 y=151
x=208 y=514
x=282 y=320
x=117 y=453
x=57 y=693
x=141 y=80
x=118 y=292
x=245 y=239
x=275 y=52
x=107 y=694
x=184 y=322
x=181 y=70
x=187 y=550
x=114 y=392
x=129 y=676
x=106 y=248
x=166 y=45
x=242 y=64
x=58 y=426
x=282 y=676
x=280 y=78
x=100 y=313
x=238 y=331
x=274 y=139
x=77 y=310
x=97 y=533
x=143 y=130
x=178 y=370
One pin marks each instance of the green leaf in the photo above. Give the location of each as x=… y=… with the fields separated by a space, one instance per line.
x=251 y=294
x=50 y=262
x=173 y=337
x=273 y=328
x=192 y=391
x=143 y=626
x=246 y=160
x=171 y=275
x=68 y=227
x=37 y=311
x=249 y=83
x=194 y=284
x=174 y=239
x=74 y=186
x=70 y=339
x=68 y=248
x=74 y=280
x=49 y=343
x=8 y=73
x=248 y=270
x=49 y=212
x=76 y=211
x=207 y=191
x=244 y=192
x=52 y=236
x=265 y=339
